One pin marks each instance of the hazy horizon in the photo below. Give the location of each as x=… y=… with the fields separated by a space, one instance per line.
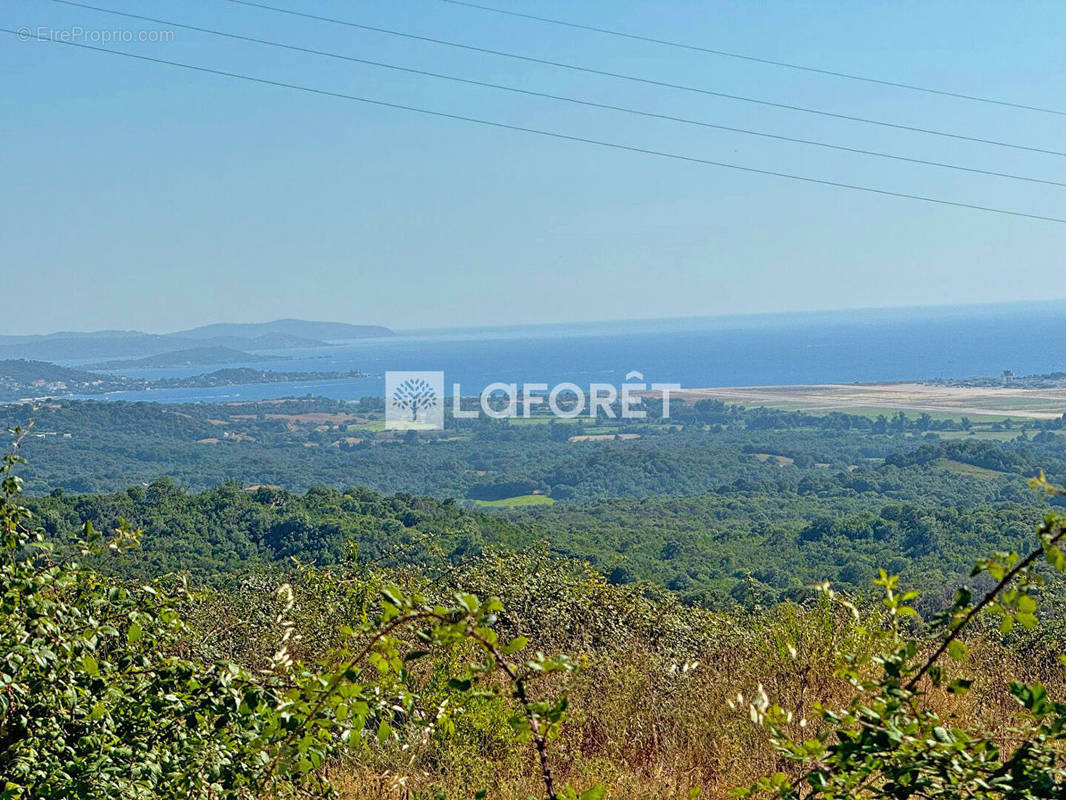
x=679 y=319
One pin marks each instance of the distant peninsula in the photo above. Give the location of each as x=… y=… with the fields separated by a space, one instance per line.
x=245 y=375
x=303 y=329
x=282 y=334
x=21 y=379
x=192 y=357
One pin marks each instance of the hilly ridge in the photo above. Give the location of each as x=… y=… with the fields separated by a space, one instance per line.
x=193 y=356
x=289 y=327
x=112 y=344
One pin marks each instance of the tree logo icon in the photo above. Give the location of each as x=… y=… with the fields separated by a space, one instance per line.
x=415 y=396
x=414 y=400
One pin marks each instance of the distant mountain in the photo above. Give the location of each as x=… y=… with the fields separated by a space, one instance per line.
x=280 y=335
x=96 y=335
x=333 y=331
x=194 y=356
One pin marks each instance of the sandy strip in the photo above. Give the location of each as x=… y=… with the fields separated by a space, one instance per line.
x=919 y=397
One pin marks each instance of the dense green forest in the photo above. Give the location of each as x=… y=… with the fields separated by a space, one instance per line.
x=302 y=444
x=722 y=505
x=452 y=661
x=748 y=512
x=719 y=550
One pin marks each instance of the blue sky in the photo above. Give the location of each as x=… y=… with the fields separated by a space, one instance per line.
x=143 y=196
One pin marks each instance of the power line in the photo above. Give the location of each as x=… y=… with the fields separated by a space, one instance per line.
x=648 y=81
x=563 y=98
x=745 y=57
x=549 y=134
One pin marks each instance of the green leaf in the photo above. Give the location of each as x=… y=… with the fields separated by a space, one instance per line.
x=957 y=650
x=1056 y=558
x=384 y=731
x=516 y=644
x=393 y=595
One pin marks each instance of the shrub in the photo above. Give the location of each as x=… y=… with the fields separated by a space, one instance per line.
x=890 y=742
x=96 y=700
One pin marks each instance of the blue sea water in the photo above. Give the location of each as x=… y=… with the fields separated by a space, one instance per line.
x=803 y=348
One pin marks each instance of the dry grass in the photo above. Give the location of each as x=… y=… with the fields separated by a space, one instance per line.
x=651 y=732
x=781 y=461
x=602 y=437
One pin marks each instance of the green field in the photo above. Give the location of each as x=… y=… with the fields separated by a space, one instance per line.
x=998 y=436
x=960 y=468
x=374 y=426
x=515 y=502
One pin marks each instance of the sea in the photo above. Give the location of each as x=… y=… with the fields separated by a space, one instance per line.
x=873 y=345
